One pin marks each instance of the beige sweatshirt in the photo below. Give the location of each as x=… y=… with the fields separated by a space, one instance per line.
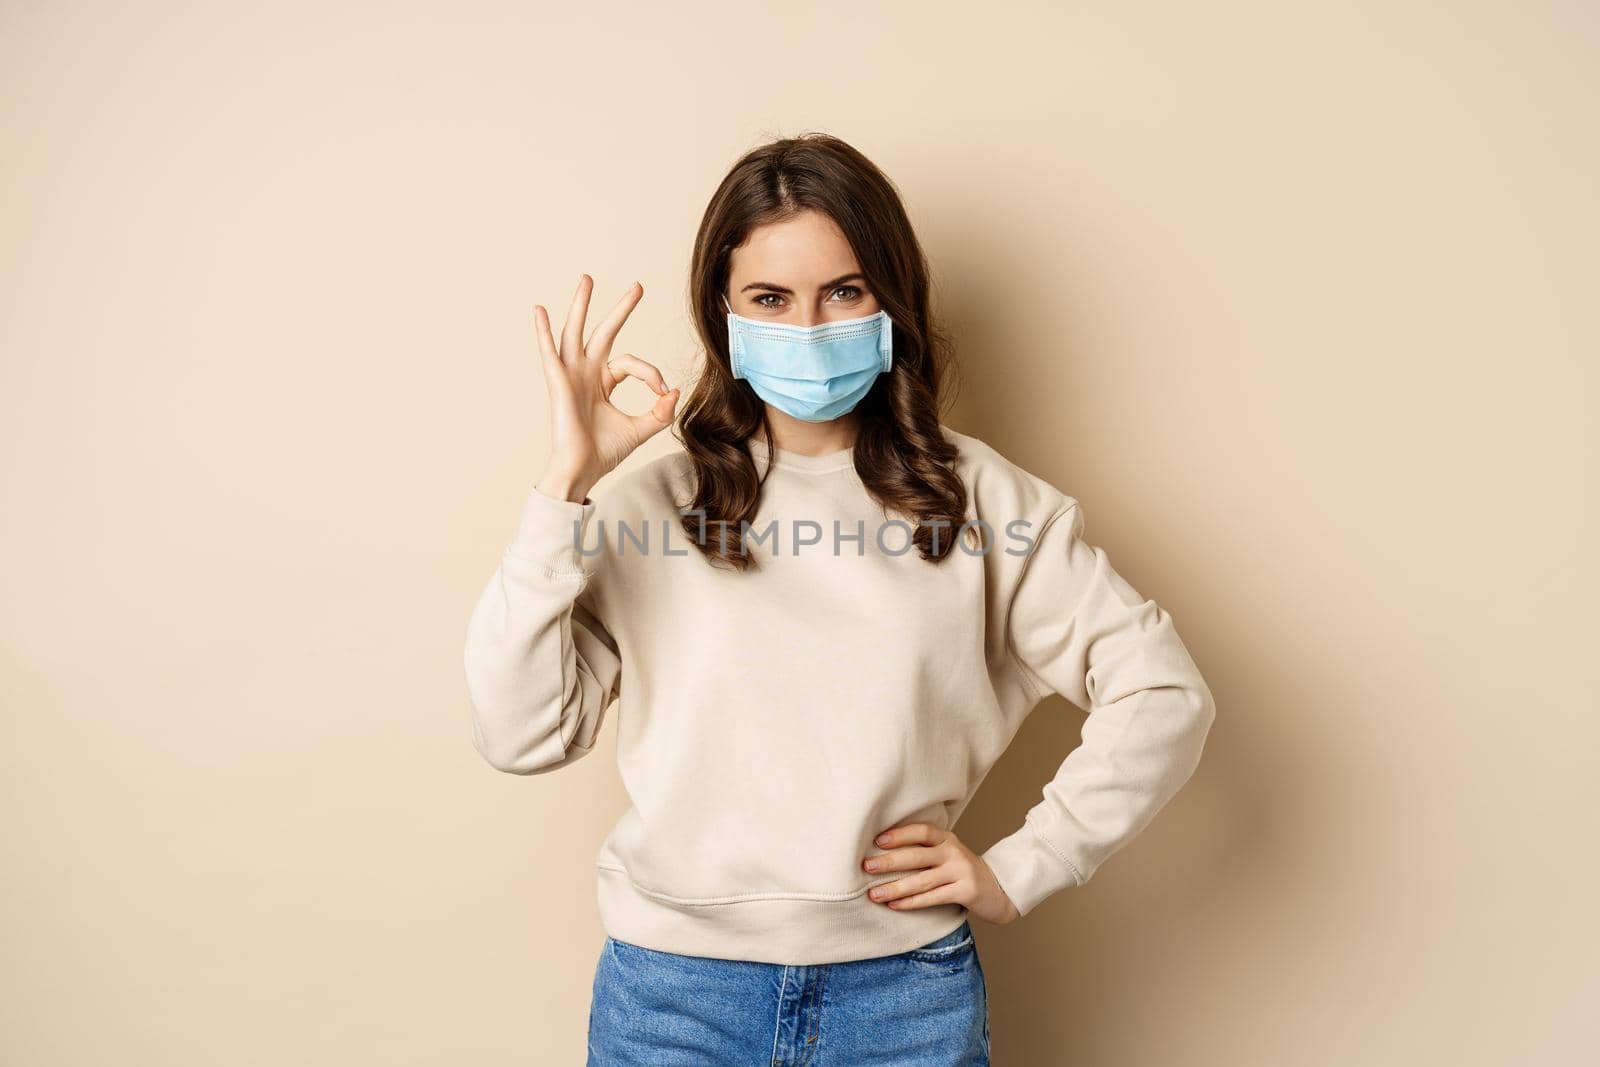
x=770 y=723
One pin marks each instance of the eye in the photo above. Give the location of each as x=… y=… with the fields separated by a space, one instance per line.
x=763 y=298
x=853 y=290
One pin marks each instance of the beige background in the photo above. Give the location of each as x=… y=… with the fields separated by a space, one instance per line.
x=1298 y=300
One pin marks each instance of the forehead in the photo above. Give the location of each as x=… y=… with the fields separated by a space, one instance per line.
x=806 y=247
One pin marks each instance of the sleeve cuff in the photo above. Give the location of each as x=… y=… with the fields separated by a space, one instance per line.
x=549 y=533
x=1028 y=869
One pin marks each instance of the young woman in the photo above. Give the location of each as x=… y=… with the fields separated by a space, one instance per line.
x=823 y=620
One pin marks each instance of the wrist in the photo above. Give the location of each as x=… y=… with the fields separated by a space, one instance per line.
x=560 y=486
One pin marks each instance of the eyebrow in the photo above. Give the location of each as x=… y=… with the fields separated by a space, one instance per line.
x=856 y=276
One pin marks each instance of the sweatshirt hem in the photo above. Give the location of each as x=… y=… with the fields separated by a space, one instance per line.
x=796 y=931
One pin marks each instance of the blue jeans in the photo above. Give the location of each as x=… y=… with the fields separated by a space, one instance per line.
x=927 y=1007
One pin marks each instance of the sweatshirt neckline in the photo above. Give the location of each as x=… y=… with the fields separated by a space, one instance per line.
x=841 y=459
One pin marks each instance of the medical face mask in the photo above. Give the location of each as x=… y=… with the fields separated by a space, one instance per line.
x=813 y=373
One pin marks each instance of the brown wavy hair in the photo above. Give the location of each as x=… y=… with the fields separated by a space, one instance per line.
x=901 y=456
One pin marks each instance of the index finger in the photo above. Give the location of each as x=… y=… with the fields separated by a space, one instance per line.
x=915 y=833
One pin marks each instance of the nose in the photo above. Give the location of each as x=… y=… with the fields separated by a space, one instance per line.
x=810 y=313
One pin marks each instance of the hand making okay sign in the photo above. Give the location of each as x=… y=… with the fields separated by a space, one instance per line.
x=590 y=435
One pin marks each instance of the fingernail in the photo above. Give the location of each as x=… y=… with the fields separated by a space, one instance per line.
x=872 y=865
x=882 y=839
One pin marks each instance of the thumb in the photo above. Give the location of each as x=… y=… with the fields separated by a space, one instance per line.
x=658 y=418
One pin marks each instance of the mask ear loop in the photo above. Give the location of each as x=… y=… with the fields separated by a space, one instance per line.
x=733 y=341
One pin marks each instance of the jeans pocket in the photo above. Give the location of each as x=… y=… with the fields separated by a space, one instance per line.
x=619 y=952
x=955 y=945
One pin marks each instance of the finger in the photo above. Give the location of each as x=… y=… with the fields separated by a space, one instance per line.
x=913 y=833
x=572 y=329
x=949 y=893
x=660 y=415
x=910 y=885
x=599 y=344
x=658 y=418
x=628 y=363
x=555 y=377
x=910 y=858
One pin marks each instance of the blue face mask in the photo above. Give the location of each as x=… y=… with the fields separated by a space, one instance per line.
x=814 y=373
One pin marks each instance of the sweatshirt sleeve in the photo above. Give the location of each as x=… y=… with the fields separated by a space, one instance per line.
x=1077 y=628
x=541 y=668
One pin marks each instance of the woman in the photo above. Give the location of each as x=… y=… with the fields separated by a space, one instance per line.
x=825 y=618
